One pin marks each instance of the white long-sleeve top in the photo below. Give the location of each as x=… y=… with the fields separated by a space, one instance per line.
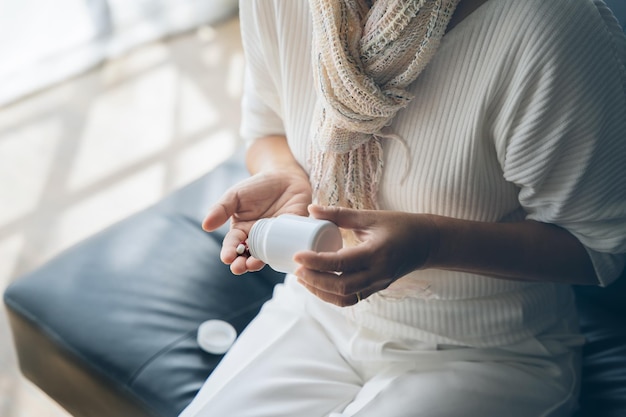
x=521 y=114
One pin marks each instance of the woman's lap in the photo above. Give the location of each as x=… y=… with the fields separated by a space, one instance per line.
x=287 y=364
x=475 y=389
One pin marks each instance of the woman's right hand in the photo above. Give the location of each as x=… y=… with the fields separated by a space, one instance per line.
x=265 y=194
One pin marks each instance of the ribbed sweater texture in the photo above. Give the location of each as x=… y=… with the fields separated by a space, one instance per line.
x=520 y=114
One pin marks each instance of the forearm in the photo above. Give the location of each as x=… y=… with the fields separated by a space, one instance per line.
x=271 y=153
x=527 y=250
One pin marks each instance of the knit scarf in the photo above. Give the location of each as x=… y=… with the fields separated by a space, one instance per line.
x=364 y=58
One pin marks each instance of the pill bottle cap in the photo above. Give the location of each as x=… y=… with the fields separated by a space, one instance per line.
x=216 y=336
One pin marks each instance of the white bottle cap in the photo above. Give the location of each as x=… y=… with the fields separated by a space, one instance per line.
x=216 y=336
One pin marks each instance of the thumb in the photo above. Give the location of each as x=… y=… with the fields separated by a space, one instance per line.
x=219 y=213
x=343 y=217
x=214 y=219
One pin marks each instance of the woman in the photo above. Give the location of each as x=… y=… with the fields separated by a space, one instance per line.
x=473 y=151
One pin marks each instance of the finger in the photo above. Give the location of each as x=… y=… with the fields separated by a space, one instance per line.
x=343 y=300
x=238 y=266
x=341 y=216
x=253 y=264
x=327 y=282
x=220 y=212
x=339 y=300
x=367 y=292
x=350 y=259
x=244 y=264
x=341 y=284
x=233 y=238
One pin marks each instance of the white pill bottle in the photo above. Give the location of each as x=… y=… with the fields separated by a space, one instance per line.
x=276 y=240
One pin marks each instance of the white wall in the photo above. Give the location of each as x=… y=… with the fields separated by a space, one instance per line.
x=43 y=42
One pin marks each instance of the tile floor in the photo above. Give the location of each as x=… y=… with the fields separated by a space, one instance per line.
x=84 y=154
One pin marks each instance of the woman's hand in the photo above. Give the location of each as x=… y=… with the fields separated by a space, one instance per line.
x=396 y=243
x=265 y=194
x=392 y=245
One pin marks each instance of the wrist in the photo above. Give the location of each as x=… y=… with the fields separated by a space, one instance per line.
x=433 y=230
x=272 y=154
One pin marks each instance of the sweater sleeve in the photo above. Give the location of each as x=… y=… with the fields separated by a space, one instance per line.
x=561 y=131
x=261 y=105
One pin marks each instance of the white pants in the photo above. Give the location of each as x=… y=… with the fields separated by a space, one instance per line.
x=301 y=358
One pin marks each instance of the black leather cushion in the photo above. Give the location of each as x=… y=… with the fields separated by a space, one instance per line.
x=603 y=321
x=619 y=10
x=126 y=304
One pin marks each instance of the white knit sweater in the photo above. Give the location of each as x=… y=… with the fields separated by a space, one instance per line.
x=521 y=114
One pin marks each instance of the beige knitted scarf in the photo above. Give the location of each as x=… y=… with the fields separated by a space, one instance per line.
x=364 y=57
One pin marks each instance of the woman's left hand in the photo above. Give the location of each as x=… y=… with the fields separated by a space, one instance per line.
x=392 y=244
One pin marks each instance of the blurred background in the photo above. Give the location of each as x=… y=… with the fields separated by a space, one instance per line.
x=106 y=106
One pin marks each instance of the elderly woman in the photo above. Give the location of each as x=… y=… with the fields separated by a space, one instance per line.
x=473 y=153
